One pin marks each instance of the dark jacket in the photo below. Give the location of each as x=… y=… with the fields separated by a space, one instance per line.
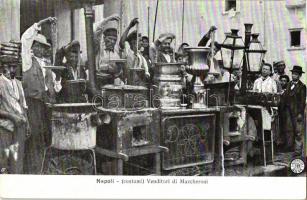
x=162 y=59
x=295 y=99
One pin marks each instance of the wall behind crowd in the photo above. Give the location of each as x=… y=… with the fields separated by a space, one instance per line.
x=9 y=20
x=271 y=18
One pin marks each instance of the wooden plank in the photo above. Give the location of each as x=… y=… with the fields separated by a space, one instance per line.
x=142 y=150
x=111 y=154
x=188 y=165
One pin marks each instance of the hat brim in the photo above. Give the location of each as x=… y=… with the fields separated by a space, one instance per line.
x=301 y=72
x=43 y=43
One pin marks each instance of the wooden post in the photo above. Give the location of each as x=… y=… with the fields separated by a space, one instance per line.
x=156 y=15
x=148 y=23
x=89 y=18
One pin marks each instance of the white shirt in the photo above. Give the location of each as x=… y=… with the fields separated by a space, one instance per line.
x=167 y=57
x=132 y=62
x=27 y=40
x=265 y=85
x=293 y=84
x=12 y=84
x=57 y=84
x=15 y=88
x=103 y=58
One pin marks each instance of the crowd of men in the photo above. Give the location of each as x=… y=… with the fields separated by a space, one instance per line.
x=24 y=121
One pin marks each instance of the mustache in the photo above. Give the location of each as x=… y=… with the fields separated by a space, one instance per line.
x=12 y=74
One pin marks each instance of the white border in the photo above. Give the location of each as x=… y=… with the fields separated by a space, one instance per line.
x=85 y=187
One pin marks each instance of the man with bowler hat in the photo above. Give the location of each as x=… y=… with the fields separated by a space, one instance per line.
x=292 y=116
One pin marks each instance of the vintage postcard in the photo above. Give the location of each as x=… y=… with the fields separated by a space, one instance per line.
x=153 y=99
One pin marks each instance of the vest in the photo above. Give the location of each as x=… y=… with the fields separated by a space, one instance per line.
x=34 y=83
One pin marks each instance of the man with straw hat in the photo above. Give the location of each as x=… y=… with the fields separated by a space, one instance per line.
x=40 y=86
x=293 y=105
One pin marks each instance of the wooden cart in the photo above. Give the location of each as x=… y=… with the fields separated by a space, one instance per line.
x=129 y=135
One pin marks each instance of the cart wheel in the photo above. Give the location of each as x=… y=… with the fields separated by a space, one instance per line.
x=70 y=164
x=73 y=171
x=188 y=171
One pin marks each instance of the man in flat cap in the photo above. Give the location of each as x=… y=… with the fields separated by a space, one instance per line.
x=279 y=70
x=130 y=44
x=293 y=106
x=69 y=56
x=40 y=86
x=105 y=37
x=71 y=53
x=13 y=120
x=161 y=51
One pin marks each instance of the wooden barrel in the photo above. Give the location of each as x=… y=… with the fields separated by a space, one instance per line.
x=74 y=91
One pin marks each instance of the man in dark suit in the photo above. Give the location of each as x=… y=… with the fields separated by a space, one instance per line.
x=292 y=112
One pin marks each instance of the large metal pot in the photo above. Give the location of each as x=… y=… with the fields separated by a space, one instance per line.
x=168 y=82
x=72 y=126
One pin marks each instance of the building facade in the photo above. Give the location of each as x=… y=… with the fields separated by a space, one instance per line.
x=282 y=32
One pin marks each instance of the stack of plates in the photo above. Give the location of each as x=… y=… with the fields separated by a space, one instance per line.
x=10 y=53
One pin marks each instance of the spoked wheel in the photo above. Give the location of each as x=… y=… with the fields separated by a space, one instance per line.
x=188 y=171
x=69 y=164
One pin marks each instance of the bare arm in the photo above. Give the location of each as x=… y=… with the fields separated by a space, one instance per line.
x=100 y=27
x=125 y=33
x=203 y=42
x=27 y=39
x=12 y=117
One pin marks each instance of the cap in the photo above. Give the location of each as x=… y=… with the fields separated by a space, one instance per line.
x=279 y=63
x=73 y=46
x=132 y=35
x=110 y=28
x=165 y=36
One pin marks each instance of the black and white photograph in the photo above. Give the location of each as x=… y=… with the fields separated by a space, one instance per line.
x=173 y=89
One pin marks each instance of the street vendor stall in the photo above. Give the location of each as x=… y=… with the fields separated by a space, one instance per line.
x=135 y=130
